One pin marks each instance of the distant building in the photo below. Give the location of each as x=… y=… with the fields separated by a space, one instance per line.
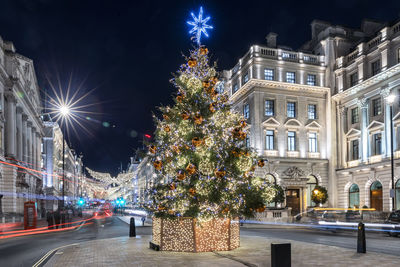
x=53 y=172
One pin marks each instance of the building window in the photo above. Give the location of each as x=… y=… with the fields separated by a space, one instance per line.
x=376 y=106
x=269 y=140
x=353 y=79
x=290 y=77
x=312 y=142
x=311 y=79
x=377 y=138
x=354 y=150
x=246 y=111
x=354 y=196
x=235 y=87
x=245 y=78
x=291 y=109
x=398 y=55
x=291 y=141
x=354 y=116
x=376 y=67
x=269 y=74
x=312 y=112
x=269 y=107
x=311 y=184
x=248 y=140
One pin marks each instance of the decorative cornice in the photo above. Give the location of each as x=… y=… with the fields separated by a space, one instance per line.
x=369 y=82
x=280 y=85
x=362 y=102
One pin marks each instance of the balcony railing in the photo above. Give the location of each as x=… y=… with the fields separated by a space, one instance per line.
x=278 y=54
x=293 y=154
x=271 y=153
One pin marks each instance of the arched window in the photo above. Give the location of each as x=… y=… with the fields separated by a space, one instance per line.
x=354 y=196
x=311 y=183
x=398 y=195
x=376 y=196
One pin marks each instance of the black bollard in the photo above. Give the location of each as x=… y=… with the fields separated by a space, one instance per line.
x=361 y=244
x=132 y=228
x=281 y=255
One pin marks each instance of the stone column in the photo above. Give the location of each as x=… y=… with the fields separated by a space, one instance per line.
x=38 y=150
x=342 y=148
x=29 y=142
x=365 y=144
x=33 y=138
x=386 y=149
x=19 y=136
x=24 y=138
x=10 y=125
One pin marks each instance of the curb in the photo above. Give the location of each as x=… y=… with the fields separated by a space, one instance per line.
x=42 y=261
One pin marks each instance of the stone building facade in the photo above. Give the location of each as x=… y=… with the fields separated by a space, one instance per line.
x=53 y=172
x=21 y=131
x=319 y=113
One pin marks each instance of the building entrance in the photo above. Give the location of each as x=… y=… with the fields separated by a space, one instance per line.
x=293 y=200
x=376 y=196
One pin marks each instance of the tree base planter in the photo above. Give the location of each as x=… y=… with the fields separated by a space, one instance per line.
x=190 y=235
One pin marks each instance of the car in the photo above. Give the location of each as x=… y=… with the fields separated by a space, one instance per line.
x=394 y=220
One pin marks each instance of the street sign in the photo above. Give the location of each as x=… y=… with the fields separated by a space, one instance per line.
x=392 y=193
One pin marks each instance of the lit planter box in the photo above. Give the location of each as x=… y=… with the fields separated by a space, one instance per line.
x=190 y=235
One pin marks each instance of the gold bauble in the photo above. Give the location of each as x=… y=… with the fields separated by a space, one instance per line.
x=153 y=149
x=196 y=141
x=261 y=163
x=181 y=175
x=192 y=62
x=191 y=169
x=157 y=165
x=203 y=50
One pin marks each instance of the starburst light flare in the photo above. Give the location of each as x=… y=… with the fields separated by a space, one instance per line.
x=199 y=25
x=68 y=106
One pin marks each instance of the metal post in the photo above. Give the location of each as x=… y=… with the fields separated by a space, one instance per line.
x=63 y=179
x=281 y=255
x=361 y=243
x=132 y=228
x=392 y=157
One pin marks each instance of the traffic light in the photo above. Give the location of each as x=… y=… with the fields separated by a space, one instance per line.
x=81 y=202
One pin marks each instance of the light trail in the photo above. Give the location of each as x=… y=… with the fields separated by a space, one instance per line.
x=44 y=231
x=333 y=225
x=45 y=227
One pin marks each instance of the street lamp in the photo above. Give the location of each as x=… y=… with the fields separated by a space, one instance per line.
x=390 y=100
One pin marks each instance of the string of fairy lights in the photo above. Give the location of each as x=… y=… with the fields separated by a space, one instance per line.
x=200 y=148
x=113 y=187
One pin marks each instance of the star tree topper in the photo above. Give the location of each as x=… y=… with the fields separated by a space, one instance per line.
x=199 y=25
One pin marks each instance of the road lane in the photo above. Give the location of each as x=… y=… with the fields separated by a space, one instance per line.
x=376 y=242
x=26 y=250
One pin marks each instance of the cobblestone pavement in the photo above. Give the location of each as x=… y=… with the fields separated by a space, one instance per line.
x=254 y=251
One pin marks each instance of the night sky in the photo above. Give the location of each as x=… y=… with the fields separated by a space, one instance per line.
x=127 y=50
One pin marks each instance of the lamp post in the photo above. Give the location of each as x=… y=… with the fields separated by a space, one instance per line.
x=390 y=100
x=64 y=112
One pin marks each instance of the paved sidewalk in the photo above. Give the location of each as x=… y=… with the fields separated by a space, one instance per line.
x=254 y=251
x=138 y=220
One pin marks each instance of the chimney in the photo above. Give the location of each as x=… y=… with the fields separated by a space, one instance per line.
x=271 y=39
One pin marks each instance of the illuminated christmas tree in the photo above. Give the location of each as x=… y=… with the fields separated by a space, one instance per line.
x=200 y=151
x=205 y=172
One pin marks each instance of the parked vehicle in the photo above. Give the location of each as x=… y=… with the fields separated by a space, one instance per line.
x=394 y=220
